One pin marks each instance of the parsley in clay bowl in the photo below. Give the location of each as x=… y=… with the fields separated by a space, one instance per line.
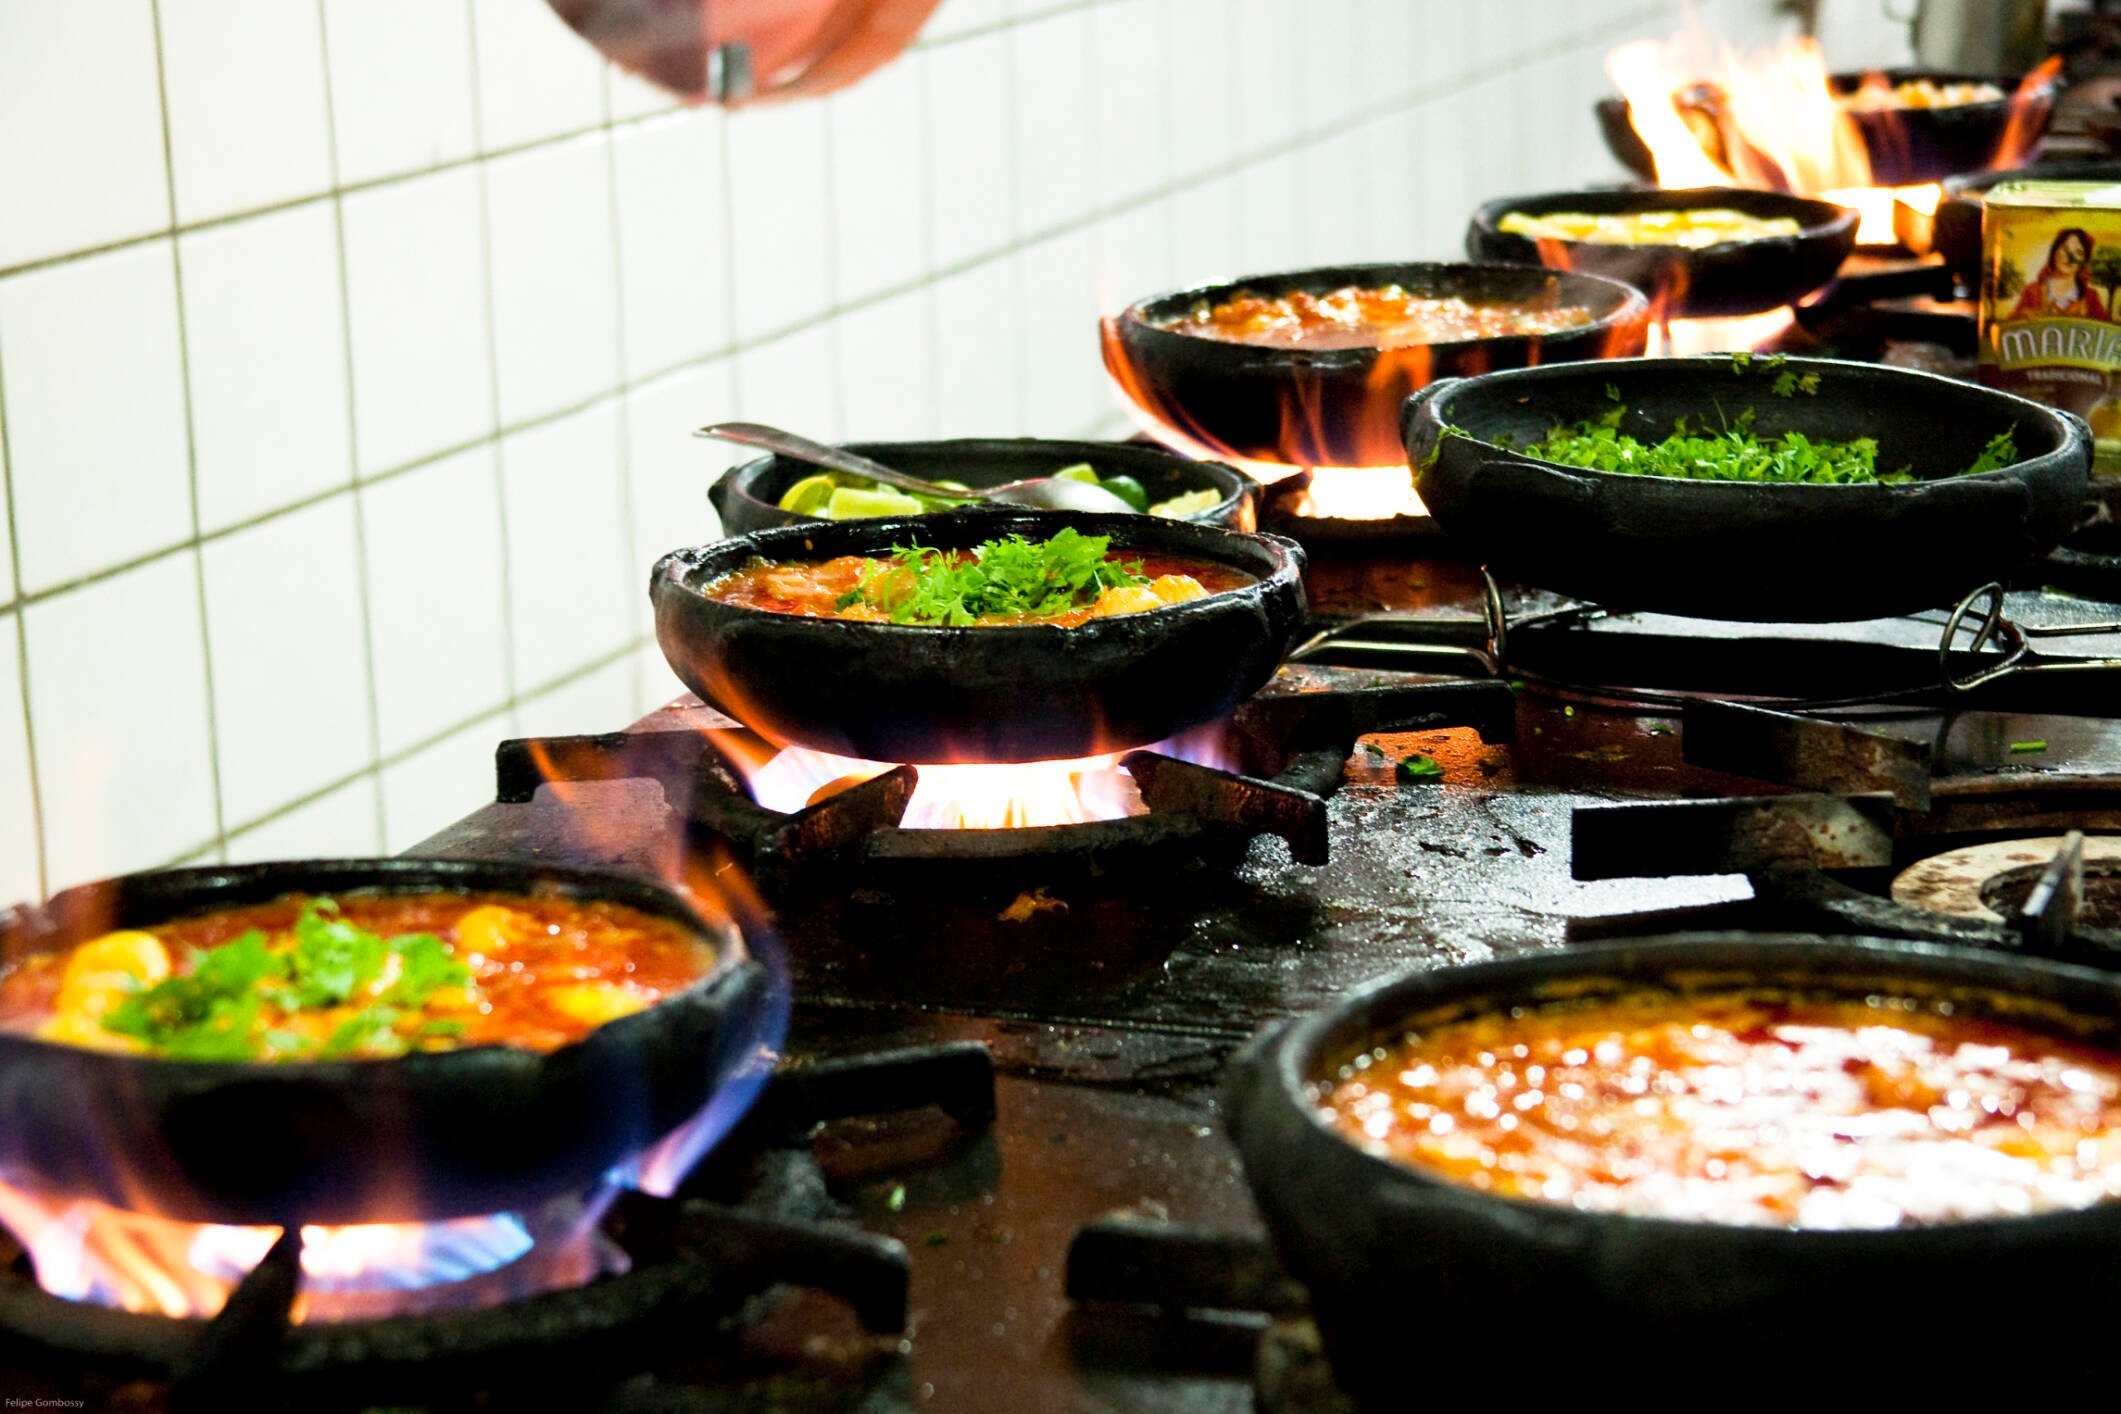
x=1746 y=487
x=866 y=638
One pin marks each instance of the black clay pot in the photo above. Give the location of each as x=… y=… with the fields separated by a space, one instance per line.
x=1748 y=550
x=1534 y=1298
x=1338 y=407
x=1954 y=229
x=427 y=1136
x=1035 y=692
x=1717 y=281
x=747 y=497
x=1904 y=145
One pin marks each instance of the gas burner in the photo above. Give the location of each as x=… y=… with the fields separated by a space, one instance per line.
x=1996 y=881
x=1287 y=749
x=754 y=1217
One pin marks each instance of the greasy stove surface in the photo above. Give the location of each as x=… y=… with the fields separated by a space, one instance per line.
x=1110 y=1017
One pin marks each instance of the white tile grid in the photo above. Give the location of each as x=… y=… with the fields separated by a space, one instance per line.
x=265 y=343
x=1055 y=121
x=337 y=824
x=570 y=560
x=1202 y=95
x=94 y=387
x=1063 y=379
x=880 y=180
x=437 y=596
x=287 y=638
x=536 y=78
x=673 y=240
x=436 y=784
x=244 y=86
x=555 y=277
x=737 y=264
x=417 y=303
x=668 y=469
x=780 y=225
x=402 y=98
x=887 y=368
x=117 y=693
x=21 y=861
x=1133 y=118
x=95 y=82
x=969 y=124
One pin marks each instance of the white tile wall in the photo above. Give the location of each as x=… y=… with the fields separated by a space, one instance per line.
x=248 y=124
x=92 y=375
x=416 y=292
x=265 y=343
x=352 y=349
x=88 y=72
x=124 y=747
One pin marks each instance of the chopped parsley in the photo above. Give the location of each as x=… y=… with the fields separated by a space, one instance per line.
x=217 y=1009
x=1006 y=578
x=1419 y=768
x=1736 y=453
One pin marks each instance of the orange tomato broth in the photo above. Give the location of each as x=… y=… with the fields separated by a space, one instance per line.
x=1747 y=1109
x=1358 y=317
x=544 y=971
x=813 y=589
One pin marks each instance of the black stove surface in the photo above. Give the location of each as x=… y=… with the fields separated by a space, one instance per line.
x=1111 y=1007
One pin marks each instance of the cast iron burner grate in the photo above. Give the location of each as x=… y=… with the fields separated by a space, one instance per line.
x=1292 y=747
x=753 y=1216
x=1225 y=1300
x=1869 y=807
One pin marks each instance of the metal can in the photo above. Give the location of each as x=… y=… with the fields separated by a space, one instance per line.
x=2050 y=273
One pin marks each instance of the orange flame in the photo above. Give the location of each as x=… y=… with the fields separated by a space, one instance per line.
x=88 y=1251
x=1710 y=116
x=967 y=795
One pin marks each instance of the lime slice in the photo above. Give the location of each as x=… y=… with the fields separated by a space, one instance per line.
x=810 y=496
x=1128 y=490
x=1081 y=471
x=859 y=503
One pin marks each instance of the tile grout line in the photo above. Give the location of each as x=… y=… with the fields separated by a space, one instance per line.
x=29 y=729
x=191 y=446
x=735 y=348
x=493 y=373
x=630 y=523
x=1019 y=282
x=432 y=740
x=378 y=821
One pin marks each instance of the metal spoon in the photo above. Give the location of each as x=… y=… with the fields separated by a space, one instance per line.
x=1046 y=493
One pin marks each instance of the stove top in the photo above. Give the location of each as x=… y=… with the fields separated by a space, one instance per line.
x=1110 y=1007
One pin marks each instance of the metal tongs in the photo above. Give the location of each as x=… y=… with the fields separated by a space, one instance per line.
x=2006 y=646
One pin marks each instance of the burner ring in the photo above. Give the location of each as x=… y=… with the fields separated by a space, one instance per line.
x=1956 y=882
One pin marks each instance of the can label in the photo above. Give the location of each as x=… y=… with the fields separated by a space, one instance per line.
x=2051 y=270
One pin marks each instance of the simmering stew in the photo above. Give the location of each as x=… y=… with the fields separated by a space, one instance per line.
x=1747 y=1108
x=1066 y=581
x=1355 y=317
x=364 y=975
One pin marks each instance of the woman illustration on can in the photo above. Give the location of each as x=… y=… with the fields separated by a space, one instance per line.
x=2063 y=286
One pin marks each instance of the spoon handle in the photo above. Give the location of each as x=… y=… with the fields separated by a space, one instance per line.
x=787 y=444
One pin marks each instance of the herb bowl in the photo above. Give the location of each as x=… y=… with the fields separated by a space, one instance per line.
x=1020 y=692
x=1748 y=550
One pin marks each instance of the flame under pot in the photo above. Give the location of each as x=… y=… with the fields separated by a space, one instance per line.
x=1339 y=407
x=1720 y=281
x=1748 y=550
x=422 y=1137
x=1035 y=692
x=1386 y=1249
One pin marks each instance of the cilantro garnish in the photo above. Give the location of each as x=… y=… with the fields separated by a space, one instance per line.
x=1735 y=453
x=1419 y=768
x=1010 y=577
x=217 y=1010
